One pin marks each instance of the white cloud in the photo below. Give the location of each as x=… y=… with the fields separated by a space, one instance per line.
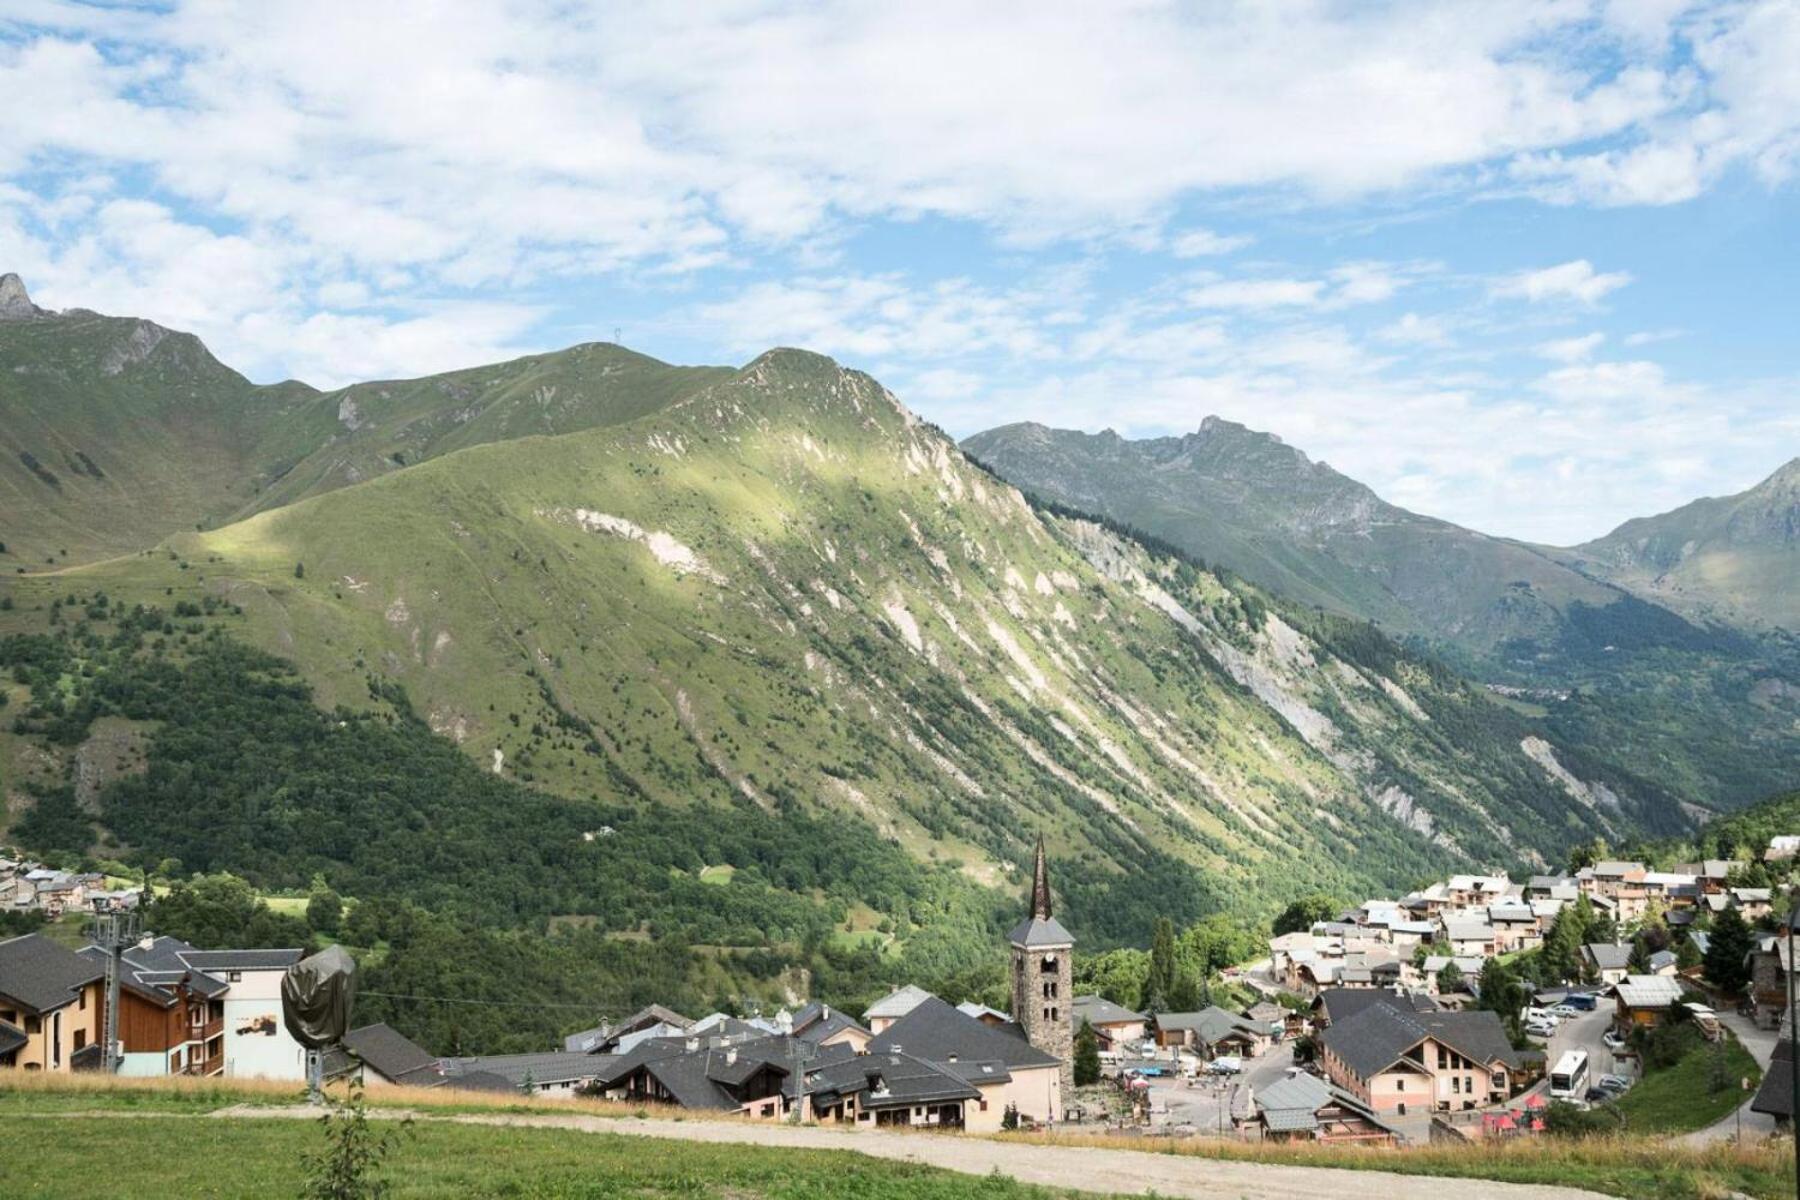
x=1414 y=329
x=1257 y=293
x=1199 y=243
x=1571 y=349
x=1577 y=281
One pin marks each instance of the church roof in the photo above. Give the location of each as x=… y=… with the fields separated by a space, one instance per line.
x=1033 y=932
x=1040 y=928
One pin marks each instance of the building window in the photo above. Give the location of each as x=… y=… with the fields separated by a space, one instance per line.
x=83 y=1004
x=81 y=1039
x=236 y=976
x=1399 y=1085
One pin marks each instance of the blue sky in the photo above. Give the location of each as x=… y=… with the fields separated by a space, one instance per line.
x=1525 y=266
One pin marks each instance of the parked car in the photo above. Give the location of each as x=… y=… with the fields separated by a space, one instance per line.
x=1565 y=1009
x=1541 y=1029
x=1534 y=1013
x=1229 y=1065
x=1615 y=1082
x=1583 y=1001
x=1613 y=1040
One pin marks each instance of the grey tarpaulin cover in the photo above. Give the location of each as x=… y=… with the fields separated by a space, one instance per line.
x=316 y=996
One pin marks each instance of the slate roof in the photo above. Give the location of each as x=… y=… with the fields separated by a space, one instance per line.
x=1299 y=1090
x=1340 y=1004
x=897 y=1003
x=1040 y=932
x=388 y=1052
x=1380 y=1035
x=937 y=1032
x=1648 y=991
x=552 y=1066
x=1211 y=1025
x=1468 y=930
x=1775 y=1096
x=1098 y=1010
x=1662 y=959
x=832 y=1022
x=42 y=975
x=1608 y=957
x=243 y=960
x=11 y=1038
x=904 y=1079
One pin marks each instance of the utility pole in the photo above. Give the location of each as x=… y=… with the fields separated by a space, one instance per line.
x=115 y=928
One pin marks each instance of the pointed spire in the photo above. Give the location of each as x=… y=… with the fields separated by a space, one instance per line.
x=1040 y=884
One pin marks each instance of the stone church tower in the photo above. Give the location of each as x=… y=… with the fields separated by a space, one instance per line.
x=1043 y=977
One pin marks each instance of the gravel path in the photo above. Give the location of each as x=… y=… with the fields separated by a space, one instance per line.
x=1080 y=1167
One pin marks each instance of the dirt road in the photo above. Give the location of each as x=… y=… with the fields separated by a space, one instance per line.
x=1131 y=1172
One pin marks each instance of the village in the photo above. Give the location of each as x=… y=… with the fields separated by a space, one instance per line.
x=1368 y=1026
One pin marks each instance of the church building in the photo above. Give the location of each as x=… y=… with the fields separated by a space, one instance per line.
x=1043 y=977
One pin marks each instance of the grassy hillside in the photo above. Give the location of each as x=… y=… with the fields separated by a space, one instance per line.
x=119 y=432
x=1730 y=557
x=787 y=591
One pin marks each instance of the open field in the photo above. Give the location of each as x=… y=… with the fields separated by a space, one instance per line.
x=455 y=1153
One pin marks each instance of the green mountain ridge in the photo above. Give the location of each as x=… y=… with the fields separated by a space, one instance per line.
x=784 y=589
x=1710 y=708
x=120 y=432
x=1731 y=558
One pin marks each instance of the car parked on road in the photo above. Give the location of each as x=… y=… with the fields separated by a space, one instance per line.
x=1565 y=1010
x=1613 y=1040
x=1542 y=1029
x=1614 y=1082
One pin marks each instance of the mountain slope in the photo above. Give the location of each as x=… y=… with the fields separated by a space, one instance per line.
x=1260 y=507
x=786 y=591
x=1711 y=711
x=119 y=432
x=1735 y=558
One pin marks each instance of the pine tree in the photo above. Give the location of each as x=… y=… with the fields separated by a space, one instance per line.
x=1087 y=1055
x=1727 y=950
x=1160 y=986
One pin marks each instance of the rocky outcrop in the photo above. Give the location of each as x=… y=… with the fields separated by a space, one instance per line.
x=15 y=302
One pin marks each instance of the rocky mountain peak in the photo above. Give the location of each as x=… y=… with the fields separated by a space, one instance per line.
x=15 y=302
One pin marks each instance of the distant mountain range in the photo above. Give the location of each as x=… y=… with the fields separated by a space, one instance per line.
x=696 y=589
x=1671 y=641
x=1251 y=503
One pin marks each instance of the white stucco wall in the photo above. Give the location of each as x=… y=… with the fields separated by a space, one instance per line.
x=252 y=1005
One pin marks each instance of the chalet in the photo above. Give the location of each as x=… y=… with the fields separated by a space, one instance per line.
x=651 y=1021
x=1471 y=936
x=1609 y=962
x=1710 y=874
x=1752 y=903
x=1340 y=1004
x=1115 y=1025
x=1552 y=887
x=893 y=1006
x=1768 y=978
x=171 y=1017
x=1662 y=963
x=1645 y=1000
x=983 y=1013
x=1303 y=1107
x=1016 y=1072
x=50 y=1002
x=1399 y=1062
x=1214 y=1032
x=1515 y=927
x=823 y=1025
x=381 y=1056
x=1476 y=891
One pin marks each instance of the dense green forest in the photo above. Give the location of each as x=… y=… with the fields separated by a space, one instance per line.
x=469 y=886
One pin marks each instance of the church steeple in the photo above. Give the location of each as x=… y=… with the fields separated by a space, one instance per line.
x=1040 y=884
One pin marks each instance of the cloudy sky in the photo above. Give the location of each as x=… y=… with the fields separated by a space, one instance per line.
x=1527 y=265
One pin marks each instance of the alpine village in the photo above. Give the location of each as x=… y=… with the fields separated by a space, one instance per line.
x=963 y=742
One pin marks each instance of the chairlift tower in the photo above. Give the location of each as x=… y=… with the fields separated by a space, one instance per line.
x=115 y=929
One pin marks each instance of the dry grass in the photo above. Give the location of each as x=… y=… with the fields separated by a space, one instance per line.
x=21 y=1089
x=1621 y=1165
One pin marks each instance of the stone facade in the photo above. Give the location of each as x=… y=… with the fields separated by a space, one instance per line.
x=1043 y=978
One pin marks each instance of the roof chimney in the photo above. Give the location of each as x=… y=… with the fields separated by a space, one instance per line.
x=731 y=1057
